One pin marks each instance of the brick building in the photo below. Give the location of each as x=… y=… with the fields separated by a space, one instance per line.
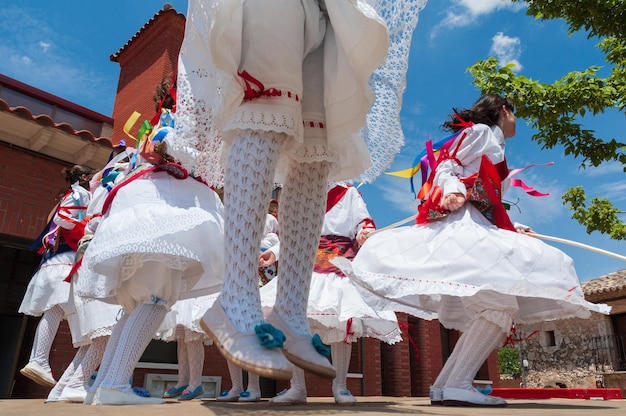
x=40 y=134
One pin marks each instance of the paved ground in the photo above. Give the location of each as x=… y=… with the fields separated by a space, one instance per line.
x=370 y=406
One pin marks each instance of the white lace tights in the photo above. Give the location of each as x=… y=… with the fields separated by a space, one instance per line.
x=248 y=181
x=44 y=336
x=138 y=330
x=483 y=337
x=302 y=207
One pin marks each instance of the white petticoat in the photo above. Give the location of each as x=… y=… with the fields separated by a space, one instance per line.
x=463 y=266
x=187 y=312
x=90 y=318
x=161 y=241
x=47 y=288
x=336 y=311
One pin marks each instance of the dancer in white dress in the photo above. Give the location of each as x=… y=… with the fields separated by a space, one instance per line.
x=47 y=294
x=90 y=320
x=293 y=83
x=160 y=240
x=336 y=311
x=463 y=263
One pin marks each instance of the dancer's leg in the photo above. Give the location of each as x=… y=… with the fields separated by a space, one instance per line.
x=109 y=352
x=138 y=330
x=253 y=390
x=483 y=336
x=44 y=336
x=183 y=358
x=195 y=363
x=89 y=363
x=436 y=390
x=69 y=372
x=303 y=203
x=296 y=394
x=341 y=354
x=38 y=367
x=236 y=387
x=248 y=182
x=230 y=322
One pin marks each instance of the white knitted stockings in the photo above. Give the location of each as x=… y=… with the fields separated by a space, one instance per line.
x=44 y=336
x=248 y=181
x=302 y=209
x=138 y=330
x=341 y=354
x=483 y=337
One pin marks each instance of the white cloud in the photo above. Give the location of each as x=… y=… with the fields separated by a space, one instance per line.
x=607 y=168
x=480 y=7
x=614 y=191
x=507 y=50
x=397 y=193
x=551 y=206
x=464 y=13
x=44 y=45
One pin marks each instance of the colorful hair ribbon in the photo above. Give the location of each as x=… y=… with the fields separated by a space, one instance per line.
x=425 y=160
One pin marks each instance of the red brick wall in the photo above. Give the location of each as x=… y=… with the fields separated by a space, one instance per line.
x=29 y=187
x=427 y=337
x=396 y=365
x=143 y=64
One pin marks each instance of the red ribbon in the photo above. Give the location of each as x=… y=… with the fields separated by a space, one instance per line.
x=250 y=92
x=405 y=326
x=462 y=123
x=510 y=340
x=349 y=330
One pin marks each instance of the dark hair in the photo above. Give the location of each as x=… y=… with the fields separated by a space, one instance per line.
x=75 y=174
x=485 y=110
x=162 y=95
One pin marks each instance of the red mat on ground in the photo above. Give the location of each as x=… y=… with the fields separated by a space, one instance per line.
x=558 y=393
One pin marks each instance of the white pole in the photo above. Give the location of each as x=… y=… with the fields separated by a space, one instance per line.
x=576 y=244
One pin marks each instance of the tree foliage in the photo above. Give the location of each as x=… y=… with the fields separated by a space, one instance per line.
x=556 y=111
x=509 y=360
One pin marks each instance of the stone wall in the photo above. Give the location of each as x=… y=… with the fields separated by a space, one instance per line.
x=564 y=352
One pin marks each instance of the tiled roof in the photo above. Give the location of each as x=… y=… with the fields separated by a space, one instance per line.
x=606 y=286
x=47 y=121
x=167 y=9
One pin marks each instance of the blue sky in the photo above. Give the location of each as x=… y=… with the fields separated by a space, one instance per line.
x=63 y=47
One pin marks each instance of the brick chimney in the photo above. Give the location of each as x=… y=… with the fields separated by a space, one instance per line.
x=149 y=56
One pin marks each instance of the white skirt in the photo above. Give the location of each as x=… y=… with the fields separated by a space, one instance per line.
x=161 y=241
x=462 y=266
x=336 y=311
x=47 y=288
x=319 y=60
x=187 y=312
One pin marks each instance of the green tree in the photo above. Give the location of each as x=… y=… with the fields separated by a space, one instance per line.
x=509 y=360
x=556 y=110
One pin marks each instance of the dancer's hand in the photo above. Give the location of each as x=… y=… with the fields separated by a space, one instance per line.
x=362 y=236
x=453 y=201
x=267 y=258
x=523 y=229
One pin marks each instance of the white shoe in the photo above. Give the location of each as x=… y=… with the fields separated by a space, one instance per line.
x=229 y=396
x=469 y=397
x=250 y=396
x=289 y=397
x=117 y=398
x=38 y=374
x=436 y=396
x=243 y=349
x=300 y=350
x=74 y=395
x=54 y=395
x=344 y=398
x=89 y=397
